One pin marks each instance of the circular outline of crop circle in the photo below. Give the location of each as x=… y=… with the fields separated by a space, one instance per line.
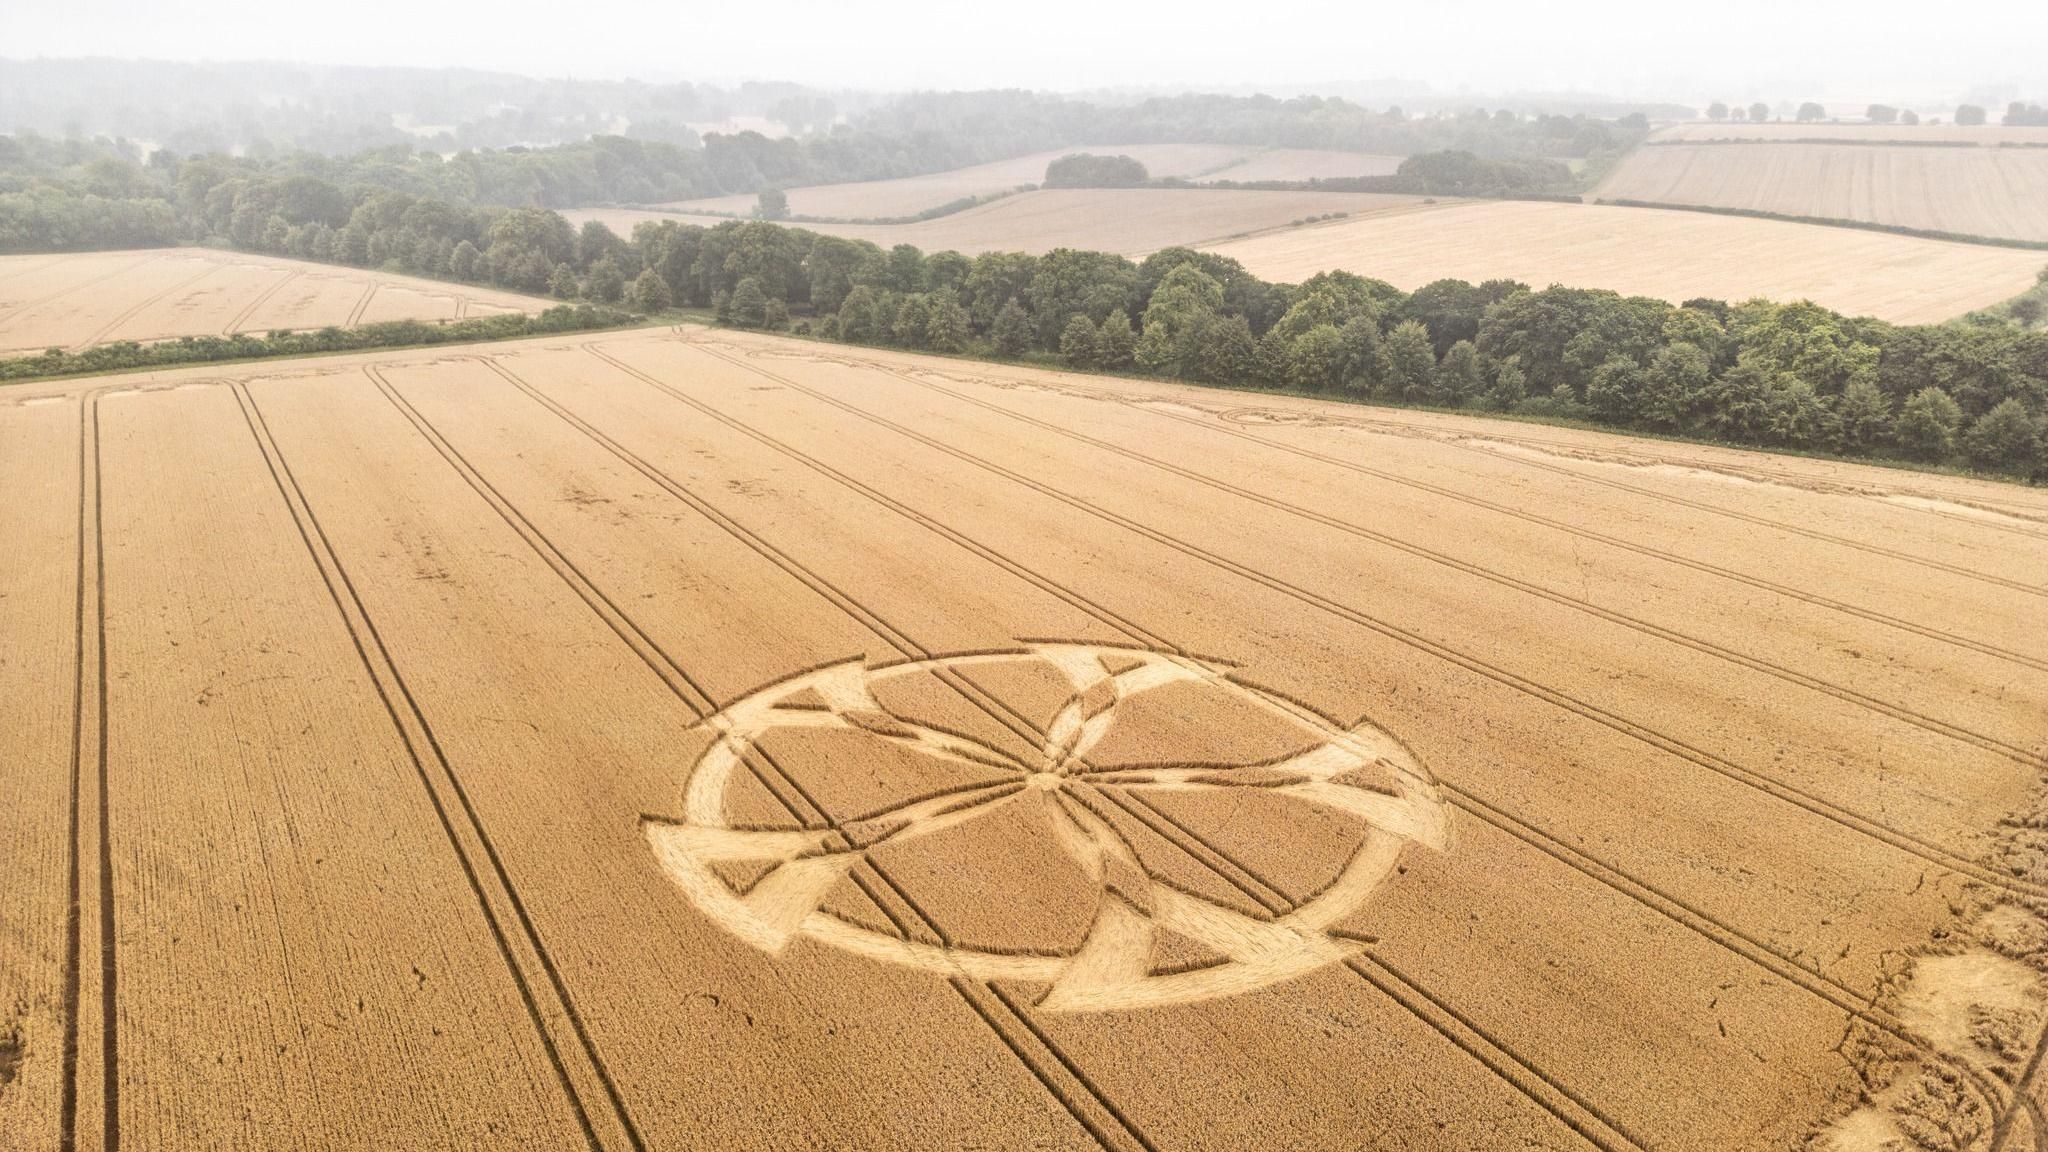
x=1110 y=970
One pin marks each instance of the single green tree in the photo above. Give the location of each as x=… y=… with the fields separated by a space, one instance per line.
x=913 y=320
x=562 y=283
x=650 y=292
x=1863 y=418
x=1315 y=361
x=1115 y=342
x=1615 y=390
x=1079 y=341
x=749 y=305
x=1970 y=115
x=463 y=263
x=1411 y=361
x=605 y=283
x=1717 y=111
x=1882 y=114
x=1458 y=378
x=2004 y=439
x=946 y=331
x=1510 y=385
x=772 y=204
x=1673 y=386
x=1759 y=112
x=1927 y=423
x=1011 y=332
x=1811 y=112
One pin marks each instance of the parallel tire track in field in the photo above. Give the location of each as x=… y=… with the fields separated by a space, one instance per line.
x=1877 y=830
x=145 y=305
x=355 y=314
x=1495 y=1060
x=1091 y=1106
x=91 y=841
x=235 y=325
x=1872 y=615
x=1899 y=712
x=60 y=293
x=1245 y=880
x=520 y=946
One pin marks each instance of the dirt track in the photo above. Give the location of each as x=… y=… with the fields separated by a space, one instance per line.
x=685 y=740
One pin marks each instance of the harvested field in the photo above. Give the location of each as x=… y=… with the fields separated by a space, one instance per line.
x=910 y=195
x=1989 y=135
x=675 y=740
x=1131 y=221
x=1644 y=251
x=76 y=300
x=1307 y=164
x=1995 y=192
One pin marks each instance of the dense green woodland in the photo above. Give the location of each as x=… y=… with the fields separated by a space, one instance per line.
x=1790 y=376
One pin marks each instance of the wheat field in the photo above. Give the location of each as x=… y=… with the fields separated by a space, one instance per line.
x=910 y=195
x=75 y=300
x=1994 y=192
x=1651 y=252
x=1129 y=221
x=676 y=739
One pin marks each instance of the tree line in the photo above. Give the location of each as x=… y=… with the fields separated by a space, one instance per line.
x=1793 y=376
x=1778 y=375
x=123 y=355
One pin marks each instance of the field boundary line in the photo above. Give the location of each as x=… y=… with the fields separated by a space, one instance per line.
x=422 y=748
x=677 y=679
x=1130 y=398
x=1777 y=477
x=1815 y=805
x=1758 y=664
x=151 y=302
x=1766 y=522
x=235 y=325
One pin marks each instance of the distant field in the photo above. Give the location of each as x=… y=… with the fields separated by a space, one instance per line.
x=1998 y=192
x=1132 y=221
x=1986 y=134
x=1308 y=164
x=79 y=299
x=887 y=199
x=1642 y=251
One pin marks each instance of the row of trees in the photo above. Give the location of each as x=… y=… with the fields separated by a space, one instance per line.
x=1794 y=375
x=1968 y=115
x=1780 y=375
x=120 y=355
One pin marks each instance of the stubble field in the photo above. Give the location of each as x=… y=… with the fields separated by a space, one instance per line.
x=910 y=195
x=1654 y=252
x=680 y=740
x=1994 y=192
x=78 y=299
x=1129 y=221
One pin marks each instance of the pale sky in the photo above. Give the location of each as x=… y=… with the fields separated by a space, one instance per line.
x=1736 y=49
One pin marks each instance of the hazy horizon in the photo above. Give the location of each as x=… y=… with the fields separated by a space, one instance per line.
x=1746 y=50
